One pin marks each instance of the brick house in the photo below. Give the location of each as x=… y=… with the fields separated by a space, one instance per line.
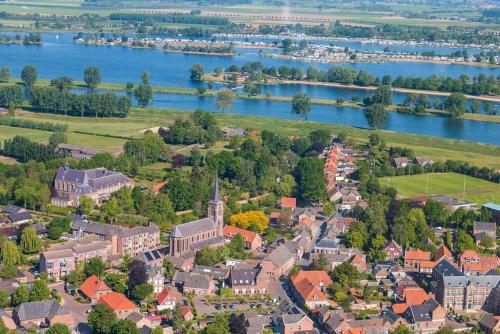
x=47 y=312
x=482 y=230
x=252 y=239
x=120 y=304
x=165 y=300
x=425 y=318
x=248 y=281
x=199 y=285
x=472 y=263
x=392 y=250
x=309 y=286
x=93 y=288
x=414 y=256
x=279 y=262
x=293 y=323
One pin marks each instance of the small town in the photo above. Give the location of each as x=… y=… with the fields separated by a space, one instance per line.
x=330 y=260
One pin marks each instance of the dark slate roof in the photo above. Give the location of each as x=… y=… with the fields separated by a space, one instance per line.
x=40 y=309
x=243 y=276
x=390 y=316
x=75 y=218
x=93 y=228
x=422 y=312
x=450 y=275
x=488 y=321
x=447 y=200
x=490 y=279
x=327 y=243
x=90 y=180
x=197 y=282
x=280 y=255
x=10 y=209
x=214 y=272
x=194 y=227
x=484 y=226
x=19 y=217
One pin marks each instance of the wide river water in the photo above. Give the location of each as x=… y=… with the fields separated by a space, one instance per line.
x=59 y=56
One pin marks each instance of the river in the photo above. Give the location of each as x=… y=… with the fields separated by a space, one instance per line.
x=59 y=56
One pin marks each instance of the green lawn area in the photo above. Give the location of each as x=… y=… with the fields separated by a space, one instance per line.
x=452 y=184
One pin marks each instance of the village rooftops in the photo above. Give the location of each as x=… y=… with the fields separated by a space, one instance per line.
x=92 y=285
x=230 y=231
x=244 y=276
x=45 y=309
x=422 y=312
x=213 y=272
x=197 y=282
x=116 y=301
x=91 y=180
x=280 y=255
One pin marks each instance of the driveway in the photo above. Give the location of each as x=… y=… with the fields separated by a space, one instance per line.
x=79 y=311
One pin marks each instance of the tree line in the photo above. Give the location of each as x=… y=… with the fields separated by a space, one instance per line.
x=29 y=124
x=477 y=85
x=170 y=18
x=23 y=149
x=48 y=99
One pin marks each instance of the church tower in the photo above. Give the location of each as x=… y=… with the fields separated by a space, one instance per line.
x=216 y=209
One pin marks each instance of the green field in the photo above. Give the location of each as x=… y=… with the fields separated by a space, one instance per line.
x=452 y=184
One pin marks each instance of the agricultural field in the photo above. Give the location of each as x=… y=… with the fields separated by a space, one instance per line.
x=452 y=184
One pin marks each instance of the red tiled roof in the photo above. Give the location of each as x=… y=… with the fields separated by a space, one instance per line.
x=417 y=254
x=358 y=260
x=399 y=308
x=117 y=302
x=156 y=187
x=309 y=283
x=443 y=251
x=185 y=311
x=164 y=295
x=288 y=202
x=427 y=264
x=468 y=253
x=92 y=285
x=231 y=231
x=479 y=267
x=306 y=220
x=415 y=296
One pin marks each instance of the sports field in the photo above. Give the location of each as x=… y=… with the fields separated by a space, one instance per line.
x=452 y=184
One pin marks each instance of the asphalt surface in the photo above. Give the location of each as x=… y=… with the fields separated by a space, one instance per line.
x=79 y=311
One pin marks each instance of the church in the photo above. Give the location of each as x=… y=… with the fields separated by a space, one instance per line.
x=188 y=238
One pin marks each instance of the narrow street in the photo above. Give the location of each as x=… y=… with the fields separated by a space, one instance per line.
x=79 y=311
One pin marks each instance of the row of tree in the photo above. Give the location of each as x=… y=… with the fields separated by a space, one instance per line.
x=30 y=124
x=170 y=18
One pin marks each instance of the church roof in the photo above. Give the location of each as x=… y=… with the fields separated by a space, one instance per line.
x=194 y=227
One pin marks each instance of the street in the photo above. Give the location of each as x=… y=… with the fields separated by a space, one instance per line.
x=79 y=311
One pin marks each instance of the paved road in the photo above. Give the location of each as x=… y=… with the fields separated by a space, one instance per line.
x=79 y=311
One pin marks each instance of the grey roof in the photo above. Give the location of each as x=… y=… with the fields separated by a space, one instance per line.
x=488 y=321
x=290 y=319
x=197 y=282
x=179 y=276
x=134 y=317
x=422 y=312
x=75 y=218
x=40 y=309
x=214 y=272
x=280 y=255
x=152 y=271
x=19 y=217
x=10 y=209
x=82 y=149
x=484 y=226
x=445 y=269
x=130 y=232
x=93 y=228
x=57 y=254
x=91 y=180
x=243 y=276
x=218 y=240
x=327 y=243
x=390 y=316
x=194 y=227
x=451 y=201
x=490 y=279
x=216 y=199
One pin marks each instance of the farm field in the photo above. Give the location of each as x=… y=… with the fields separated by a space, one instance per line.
x=452 y=184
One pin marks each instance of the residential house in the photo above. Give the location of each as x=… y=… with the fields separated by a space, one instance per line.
x=308 y=287
x=98 y=184
x=326 y=246
x=120 y=304
x=187 y=314
x=165 y=300
x=472 y=263
x=199 y=285
x=248 y=280
x=76 y=152
x=294 y=323
x=7 y=320
x=252 y=239
x=155 y=277
x=482 y=230
x=93 y=288
x=443 y=252
x=17 y=215
x=45 y=312
x=215 y=273
x=279 y=262
x=400 y=162
x=392 y=250
x=182 y=262
x=490 y=324
x=359 y=262
x=154 y=257
x=423 y=161
x=288 y=202
x=425 y=318
x=414 y=256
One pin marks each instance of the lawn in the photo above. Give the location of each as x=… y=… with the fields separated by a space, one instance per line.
x=452 y=184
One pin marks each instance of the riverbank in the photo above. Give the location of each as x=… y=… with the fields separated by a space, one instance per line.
x=186 y=91
x=81 y=130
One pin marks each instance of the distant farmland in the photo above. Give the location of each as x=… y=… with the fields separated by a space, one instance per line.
x=452 y=184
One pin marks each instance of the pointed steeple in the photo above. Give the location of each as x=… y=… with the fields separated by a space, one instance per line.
x=216 y=198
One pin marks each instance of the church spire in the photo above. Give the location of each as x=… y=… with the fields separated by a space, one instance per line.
x=216 y=192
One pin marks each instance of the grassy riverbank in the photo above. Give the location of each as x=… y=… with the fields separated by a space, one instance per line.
x=98 y=133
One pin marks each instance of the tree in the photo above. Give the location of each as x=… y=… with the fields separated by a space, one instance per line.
x=301 y=105
x=320 y=263
x=124 y=326
x=254 y=220
x=58 y=329
x=402 y=329
x=311 y=179
x=63 y=84
x=111 y=210
x=435 y=213
x=464 y=241
x=21 y=295
x=4 y=299
x=57 y=226
x=32 y=193
x=142 y=291
x=94 y=266
x=346 y=275
x=196 y=72
x=456 y=104
x=86 y=206
x=487 y=242
x=224 y=99
x=9 y=254
x=30 y=243
x=144 y=95
x=40 y=291
x=92 y=77
x=220 y=325
x=4 y=74
x=207 y=256
x=181 y=194
x=29 y=75
x=8 y=271
x=101 y=319
x=116 y=282
x=475 y=106
x=382 y=95
x=137 y=274
x=376 y=115
x=57 y=138
x=145 y=77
